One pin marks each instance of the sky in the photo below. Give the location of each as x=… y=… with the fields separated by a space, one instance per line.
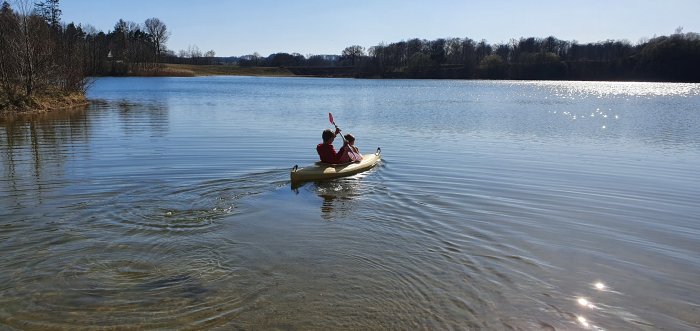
x=312 y=27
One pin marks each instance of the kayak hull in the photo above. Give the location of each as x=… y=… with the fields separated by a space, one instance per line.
x=323 y=171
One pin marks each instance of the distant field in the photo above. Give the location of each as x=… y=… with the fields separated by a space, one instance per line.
x=214 y=70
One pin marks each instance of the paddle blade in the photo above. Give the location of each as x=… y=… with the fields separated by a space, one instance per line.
x=330 y=118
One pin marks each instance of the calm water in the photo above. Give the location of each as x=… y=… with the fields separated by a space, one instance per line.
x=498 y=205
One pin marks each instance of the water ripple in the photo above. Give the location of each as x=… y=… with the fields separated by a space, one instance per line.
x=498 y=205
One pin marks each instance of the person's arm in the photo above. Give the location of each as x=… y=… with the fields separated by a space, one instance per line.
x=357 y=152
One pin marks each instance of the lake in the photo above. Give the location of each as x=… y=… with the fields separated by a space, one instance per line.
x=498 y=205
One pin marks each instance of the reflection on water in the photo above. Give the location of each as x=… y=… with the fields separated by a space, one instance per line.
x=577 y=90
x=500 y=205
x=34 y=145
x=134 y=116
x=339 y=195
x=593 y=316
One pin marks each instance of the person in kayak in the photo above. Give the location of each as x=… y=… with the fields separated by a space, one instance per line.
x=349 y=152
x=325 y=150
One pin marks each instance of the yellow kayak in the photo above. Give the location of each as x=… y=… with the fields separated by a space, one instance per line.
x=321 y=171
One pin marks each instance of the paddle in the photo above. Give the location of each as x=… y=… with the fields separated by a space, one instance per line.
x=352 y=151
x=330 y=118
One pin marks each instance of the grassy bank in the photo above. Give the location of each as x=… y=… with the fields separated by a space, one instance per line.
x=42 y=103
x=189 y=70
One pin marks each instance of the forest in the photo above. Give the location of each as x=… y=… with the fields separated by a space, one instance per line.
x=42 y=58
x=674 y=58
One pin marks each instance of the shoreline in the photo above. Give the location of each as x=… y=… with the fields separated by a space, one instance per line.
x=51 y=103
x=203 y=70
x=44 y=104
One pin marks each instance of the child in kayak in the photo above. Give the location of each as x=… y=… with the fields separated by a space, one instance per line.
x=349 y=152
x=325 y=150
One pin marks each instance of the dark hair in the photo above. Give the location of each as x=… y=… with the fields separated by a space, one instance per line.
x=349 y=137
x=327 y=135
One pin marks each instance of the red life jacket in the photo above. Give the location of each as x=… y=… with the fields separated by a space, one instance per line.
x=328 y=154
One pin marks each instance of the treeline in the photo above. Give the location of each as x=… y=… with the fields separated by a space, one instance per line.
x=130 y=47
x=667 y=58
x=672 y=58
x=288 y=60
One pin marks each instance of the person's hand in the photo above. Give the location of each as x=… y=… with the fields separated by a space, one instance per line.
x=337 y=130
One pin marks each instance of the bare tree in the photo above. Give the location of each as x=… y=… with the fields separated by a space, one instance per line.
x=353 y=53
x=38 y=57
x=49 y=10
x=160 y=34
x=32 y=46
x=194 y=52
x=9 y=52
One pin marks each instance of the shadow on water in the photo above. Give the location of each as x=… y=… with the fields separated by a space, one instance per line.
x=135 y=116
x=340 y=194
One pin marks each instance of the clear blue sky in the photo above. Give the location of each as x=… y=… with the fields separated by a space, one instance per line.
x=233 y=28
